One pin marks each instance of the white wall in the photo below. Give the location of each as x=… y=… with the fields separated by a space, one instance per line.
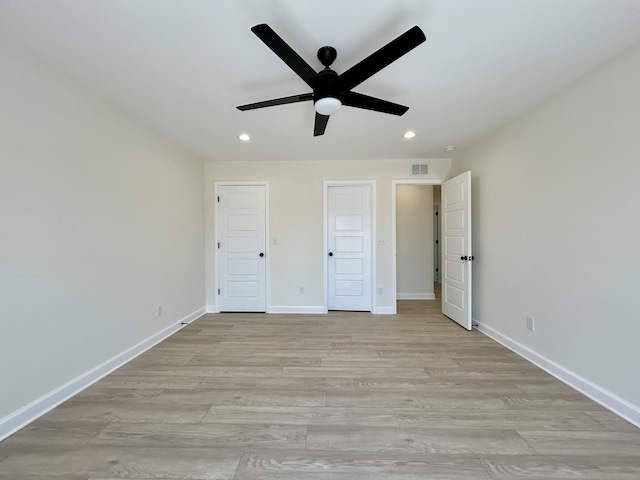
x=414 y=242
x=101 y=221
x=556 y=231
x=296 y=219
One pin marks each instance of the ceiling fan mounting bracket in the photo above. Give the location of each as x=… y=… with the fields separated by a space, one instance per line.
x=327 y=55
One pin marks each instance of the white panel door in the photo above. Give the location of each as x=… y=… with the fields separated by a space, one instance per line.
x=456 y=249
x=349 y=244
x=242 y=248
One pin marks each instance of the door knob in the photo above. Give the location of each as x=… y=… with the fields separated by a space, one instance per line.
x=463 y=258
x=261 y=254
x=331 y=254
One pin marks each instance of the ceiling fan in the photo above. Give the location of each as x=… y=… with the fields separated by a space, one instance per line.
x=330 y=90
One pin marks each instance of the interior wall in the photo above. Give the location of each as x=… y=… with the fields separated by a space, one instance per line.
x=555 y=225
x=414 y=242
x=296 y=219
x=437 y=194
x=102 y=220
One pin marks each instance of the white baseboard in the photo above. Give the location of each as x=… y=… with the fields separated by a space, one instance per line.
x=384 y=311
x=305 y=310
x=302 y=309
x=416 y=296
x=611 y=401
x=27 y=414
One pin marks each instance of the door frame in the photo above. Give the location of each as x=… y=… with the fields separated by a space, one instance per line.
x=394 y=253
x=267 y=275
x=325 y=231
x=436 y=243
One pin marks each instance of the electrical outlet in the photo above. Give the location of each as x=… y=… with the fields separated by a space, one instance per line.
x=301 y=290
x=159 y=311
x=531 y=323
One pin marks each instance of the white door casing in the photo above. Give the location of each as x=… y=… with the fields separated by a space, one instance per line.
x=436 y=243
x=349 y=247
x=241 y=249
x=457 y=254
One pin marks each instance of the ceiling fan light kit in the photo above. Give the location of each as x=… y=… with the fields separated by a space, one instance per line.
x=327 y=105
x=330 y=90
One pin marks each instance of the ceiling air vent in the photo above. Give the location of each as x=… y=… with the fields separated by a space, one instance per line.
x=420 y=169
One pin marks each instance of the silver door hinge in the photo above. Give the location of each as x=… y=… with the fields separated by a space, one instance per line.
x=218 y=291
x=218 y=199
x=218 y=244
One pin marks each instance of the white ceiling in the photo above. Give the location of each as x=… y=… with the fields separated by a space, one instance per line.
x=181 y=66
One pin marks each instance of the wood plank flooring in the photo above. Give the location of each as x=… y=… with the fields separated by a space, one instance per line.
x=344 y=396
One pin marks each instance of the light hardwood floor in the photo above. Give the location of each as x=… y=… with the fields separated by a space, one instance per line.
x=344 y=396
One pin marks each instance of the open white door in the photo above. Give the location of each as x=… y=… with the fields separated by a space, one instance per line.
x=457 y=255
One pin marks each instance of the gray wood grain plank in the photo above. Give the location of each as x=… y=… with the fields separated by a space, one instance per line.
x=318 y=384
x=415 y=440
x=274 y=465
x=58 y=462
x=583 y=442
x=216 y=361
x=201 y=435
x=611 y=421
x=200 y=371
x=178 y=463
x=127 y=412
x=301 y=416
x=98 y=394
x=146 y=381
x=304 y=398
x=437 y=385
x=561 y=467
x=352 y=361
x=353 y=372
x=48 y=431
x=443 y=400
x=544 y=419
x=557 y=401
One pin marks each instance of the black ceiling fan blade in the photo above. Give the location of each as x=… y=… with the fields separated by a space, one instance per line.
x=272 y=40
x=320 y=124
x=358 y=100
x=277 y=101
x=381 y=58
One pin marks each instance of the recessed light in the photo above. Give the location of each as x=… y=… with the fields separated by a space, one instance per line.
x=409 y=134
x=450 y=148
x=244 y=137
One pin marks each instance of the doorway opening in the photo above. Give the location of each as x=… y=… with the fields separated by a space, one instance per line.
x=416 y=232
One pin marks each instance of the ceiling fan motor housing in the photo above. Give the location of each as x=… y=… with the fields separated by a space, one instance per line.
x=327 y=88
